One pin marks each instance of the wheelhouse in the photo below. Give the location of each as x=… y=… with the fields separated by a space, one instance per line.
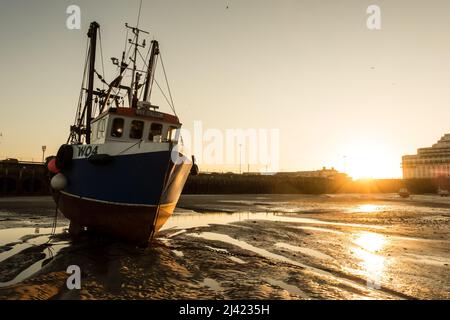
x=131 y=125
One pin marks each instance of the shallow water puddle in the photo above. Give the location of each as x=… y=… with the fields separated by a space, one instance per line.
x=225 y=251
x=25 y=238
x=187 y=221
x=33 y=237
x=280 y=206
x=320 y=229
x=267 y=254
x=370 y=241
x=176 y=233
x=13 y=235
x=22 y=246
x=217 y=249
x=244 y=245
x=236 y=259
x=178 y=253
x=370 y=208
x=293 y=290
x=16 y=249
x=306 y=251
x=212 y=284
x=388 y=236
x=50 y=252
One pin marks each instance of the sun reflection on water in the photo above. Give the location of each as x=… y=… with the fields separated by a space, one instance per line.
x=370 y=241
x=367 y=208
x=371 y=263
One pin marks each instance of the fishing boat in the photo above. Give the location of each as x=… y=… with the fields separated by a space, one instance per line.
x=443 y=192
x=404 y=193
x=122 y=169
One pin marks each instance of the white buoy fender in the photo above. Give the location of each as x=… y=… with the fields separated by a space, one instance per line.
x=58 y=182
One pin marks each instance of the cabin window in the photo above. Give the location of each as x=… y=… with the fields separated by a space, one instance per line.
x=155 y=130
x=101 y=129
x=172 y=133
x=137 y=127
x=117 y=128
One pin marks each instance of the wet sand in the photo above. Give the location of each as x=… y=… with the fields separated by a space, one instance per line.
x=239 y=247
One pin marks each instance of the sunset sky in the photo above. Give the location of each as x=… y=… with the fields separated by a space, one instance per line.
x=340 y=94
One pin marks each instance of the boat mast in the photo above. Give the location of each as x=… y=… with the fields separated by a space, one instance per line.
x=135 y=76
x=151 y=70
x=92 y=34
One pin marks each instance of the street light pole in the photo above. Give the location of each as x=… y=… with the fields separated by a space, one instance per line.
x=240 y=158
x=43 y=153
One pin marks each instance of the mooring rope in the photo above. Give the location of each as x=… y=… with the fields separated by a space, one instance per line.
x=55 y=220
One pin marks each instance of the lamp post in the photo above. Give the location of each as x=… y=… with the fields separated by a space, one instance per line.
x=43 y=153
x=240 y=158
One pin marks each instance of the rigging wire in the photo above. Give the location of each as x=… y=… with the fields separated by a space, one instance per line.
x=101 y=77
x=55 y=220
x=165 y=97
x=145 y=65
x=170 y=103
x=80 y=97
x=136 y=46
x=167 y=83
x=101 y=55
x=148 y=52
x=142 y=57
x=116 y=91
x=83 y=81
x=126 y=41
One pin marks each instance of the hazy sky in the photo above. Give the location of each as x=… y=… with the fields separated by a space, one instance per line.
x=310 y=68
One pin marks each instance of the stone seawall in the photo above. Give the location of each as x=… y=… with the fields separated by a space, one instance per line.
x=23 y=178
x=30 y=178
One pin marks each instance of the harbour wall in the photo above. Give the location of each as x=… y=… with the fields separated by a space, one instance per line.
x=23 y=178
x=28 y=178
x=281 y=184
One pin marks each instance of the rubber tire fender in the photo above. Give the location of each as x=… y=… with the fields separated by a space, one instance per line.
x=64 y=157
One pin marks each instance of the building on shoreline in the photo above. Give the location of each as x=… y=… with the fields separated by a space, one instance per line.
x=432 y=162
x=323 y=173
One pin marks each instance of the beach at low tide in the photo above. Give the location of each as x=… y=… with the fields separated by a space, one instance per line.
x=239 y=247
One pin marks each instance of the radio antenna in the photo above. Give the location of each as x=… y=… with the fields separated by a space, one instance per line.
x=139 y=15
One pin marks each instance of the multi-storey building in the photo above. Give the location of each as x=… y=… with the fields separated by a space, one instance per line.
x=433 y=162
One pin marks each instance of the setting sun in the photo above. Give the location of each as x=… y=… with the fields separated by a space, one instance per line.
x=370 y=160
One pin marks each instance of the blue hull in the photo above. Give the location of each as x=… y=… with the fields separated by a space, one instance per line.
x=133 y=179
x=131 y=196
